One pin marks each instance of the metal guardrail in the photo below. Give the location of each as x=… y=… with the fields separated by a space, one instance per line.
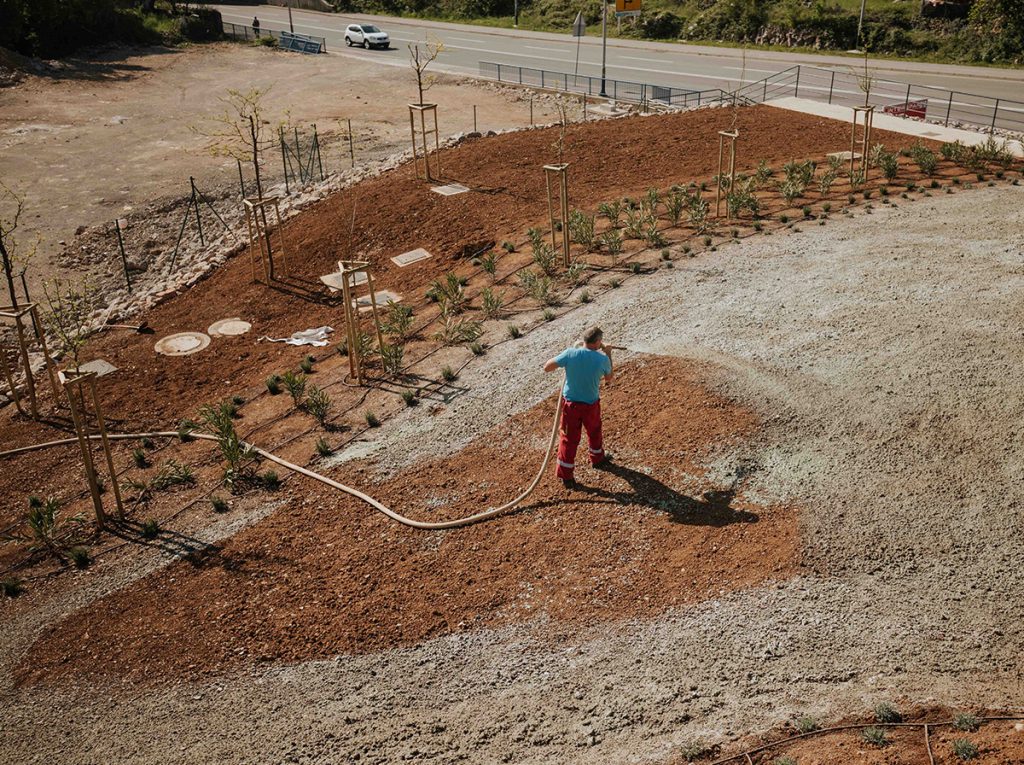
x=932 y=104
x=618 y=90
x=285 y=40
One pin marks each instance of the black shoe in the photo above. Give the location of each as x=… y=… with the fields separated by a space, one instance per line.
x=570 y=484
x=603 y=464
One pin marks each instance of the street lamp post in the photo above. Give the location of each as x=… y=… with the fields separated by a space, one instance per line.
x=860 y=24
x=291 y=26
x=604 y=46
x=515 y=21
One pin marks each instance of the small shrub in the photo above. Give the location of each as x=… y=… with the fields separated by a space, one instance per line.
x=966 y=722
x=450 y=292
x=886 y=713
x=397 y=320
x=611 y=240
x=636 y=268
x=79 y=557
x=455 y=331
x=981 y=177
x=185 y=428
x=391 y=356
x=295 y=384
x=764 y=173
x=538 y=286
x=476 y=348
x=508 y=247
x=513 y=331
x=925 y=158
x=934 y=184
x=666 y=255
x=140 y=459
x=219 y=504
x=693 y=750
x=318 y=404
x=449 y=375
x=147 y=443
x=372 y=420
x=785 y=761
x=707 y=240
x=150 y=529
x=489 y=264
x=409 y=397
x=323 y=448
x=827 y=207
x=806 y=724
x=890 y=165
x=271 y=481
x=585 y=297
x=884 y=191
x=851 y=199
x=734 y=233
x=11 y=586
x=791 y=190
x=273 y=384
x=544 y=255
x=964 y=749
x=612 y=211
x=548 y=315
x=581 y=229
x=866 y=193
x=492 y=303
x=758 y=226
x=825 y=182
x=687 y=249
x=876 y=736
x=782 y=219
x=306 y=365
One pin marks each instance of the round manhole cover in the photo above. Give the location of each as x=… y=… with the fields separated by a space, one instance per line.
x=229 y=327
x=182 y=344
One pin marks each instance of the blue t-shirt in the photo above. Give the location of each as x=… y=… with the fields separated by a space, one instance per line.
x=584 y=369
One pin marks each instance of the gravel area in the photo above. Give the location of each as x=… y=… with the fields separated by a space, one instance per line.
x=882 y=352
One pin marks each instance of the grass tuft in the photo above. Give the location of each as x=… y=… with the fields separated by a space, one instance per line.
x=323 y=448
x=150 y=529
x=219 y=504
x=448 y=374
x=79 y=557
x=372 y=420
x=806 y=724
x=140 y=459
x=477 y=348
x=876 y=736
x=964 y=749
x=409 y=397
x=886 y=713
x=271 y=481
x=513 y=331
x=273 y=384
x=967 y=723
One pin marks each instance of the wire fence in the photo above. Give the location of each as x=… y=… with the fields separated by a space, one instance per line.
x=617 y=90
x=285 y=40
x=924 y=102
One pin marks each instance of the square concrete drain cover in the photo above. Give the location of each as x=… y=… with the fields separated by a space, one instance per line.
x=413 y=256
x=334 y=280
x=99 y=366
x=383 y=296
x=450 y=189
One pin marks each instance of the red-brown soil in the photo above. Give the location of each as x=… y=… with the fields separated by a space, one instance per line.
x=326 y=575
x=999 y=742
x=395 y=213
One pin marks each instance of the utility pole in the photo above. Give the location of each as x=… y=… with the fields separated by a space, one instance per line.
x=291 y=26
x=604 y=45
x=515 y=21
x=860 y=24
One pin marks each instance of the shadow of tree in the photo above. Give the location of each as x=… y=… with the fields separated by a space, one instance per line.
x=110 y=65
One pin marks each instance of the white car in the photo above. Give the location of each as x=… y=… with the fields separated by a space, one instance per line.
x=366 y=35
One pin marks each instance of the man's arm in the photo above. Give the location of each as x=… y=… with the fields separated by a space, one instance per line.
x=608 y=352
x=551 y=365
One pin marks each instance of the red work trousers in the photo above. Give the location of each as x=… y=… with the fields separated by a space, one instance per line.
x=575 y=417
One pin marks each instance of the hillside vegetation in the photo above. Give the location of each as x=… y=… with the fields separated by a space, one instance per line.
x=990 y=31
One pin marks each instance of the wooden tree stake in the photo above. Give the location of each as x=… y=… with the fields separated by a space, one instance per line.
x=732 y=135
x=556 y=178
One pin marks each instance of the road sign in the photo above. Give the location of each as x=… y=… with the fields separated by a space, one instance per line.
x=579 y=26
x=627 y=7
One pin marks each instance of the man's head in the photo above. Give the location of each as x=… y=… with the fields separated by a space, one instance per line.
x=593 y=337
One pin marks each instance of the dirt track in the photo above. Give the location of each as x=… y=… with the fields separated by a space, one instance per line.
x=882 y=358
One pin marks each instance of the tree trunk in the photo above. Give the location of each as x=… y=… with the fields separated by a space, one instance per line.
x=8 y=272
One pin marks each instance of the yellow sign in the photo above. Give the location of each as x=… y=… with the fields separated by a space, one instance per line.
x=627 y=6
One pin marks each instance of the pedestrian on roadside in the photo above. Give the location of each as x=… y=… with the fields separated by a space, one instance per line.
x=256 y=27
x=581 y=406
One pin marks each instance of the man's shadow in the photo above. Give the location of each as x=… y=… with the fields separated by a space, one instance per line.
x=712 y=509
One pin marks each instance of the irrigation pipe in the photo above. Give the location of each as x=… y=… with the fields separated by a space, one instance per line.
x=379 y=506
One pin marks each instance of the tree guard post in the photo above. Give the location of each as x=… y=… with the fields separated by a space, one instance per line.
x=349 y=269
x=259 y=235
x=560 y=175
x=75 y=388
x=421 y=138
x=865 y=138
x=18 y=314
x=732 y=135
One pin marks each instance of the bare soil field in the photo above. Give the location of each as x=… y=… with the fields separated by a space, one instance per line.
x=815 y=505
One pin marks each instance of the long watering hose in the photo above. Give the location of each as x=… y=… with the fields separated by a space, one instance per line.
x=427 y=525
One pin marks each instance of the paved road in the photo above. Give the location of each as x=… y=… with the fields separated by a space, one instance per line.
x=688 y=66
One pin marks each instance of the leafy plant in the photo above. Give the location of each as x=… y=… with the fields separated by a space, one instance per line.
x=271 y=481
x=925 y=158
x=150 y=529
x=876 y=736
x=409 y=397
x=581 y=229
x=491 y=303
x=140 y=459
x=11 y=586
x=652 y=235
x=792 y=188
x=857 y=179
x=886 y=713
x=611 y=240
x=966 y=722
x=741 y=197
x=397 y=320
x=372 y=420
x=806 y=724
x=825 y=181
x=889 y=162
x=391 y=357
x=450 y=293
x=675 y=203
x=219 y=504
x=612 y=211
x=699 y=209
x=185 y=428
x=306 y=365
x=538 y=286
x=635 y=223
x=508 y=247
x=455 y=330
x=273 y=384
x=41 y=527
x=693 y=750
x=67 y=318
x=318 y=404
x=173 y=473
x=295 y=384
x=79 y=557
x=513 y=331
x=544 y=255
x=235 y=452
x=477 y=349
x=964 y=749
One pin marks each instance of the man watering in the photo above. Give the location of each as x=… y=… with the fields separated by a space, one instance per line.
x=584 y=367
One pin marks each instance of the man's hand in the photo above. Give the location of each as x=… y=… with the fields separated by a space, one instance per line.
x=607 y=349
